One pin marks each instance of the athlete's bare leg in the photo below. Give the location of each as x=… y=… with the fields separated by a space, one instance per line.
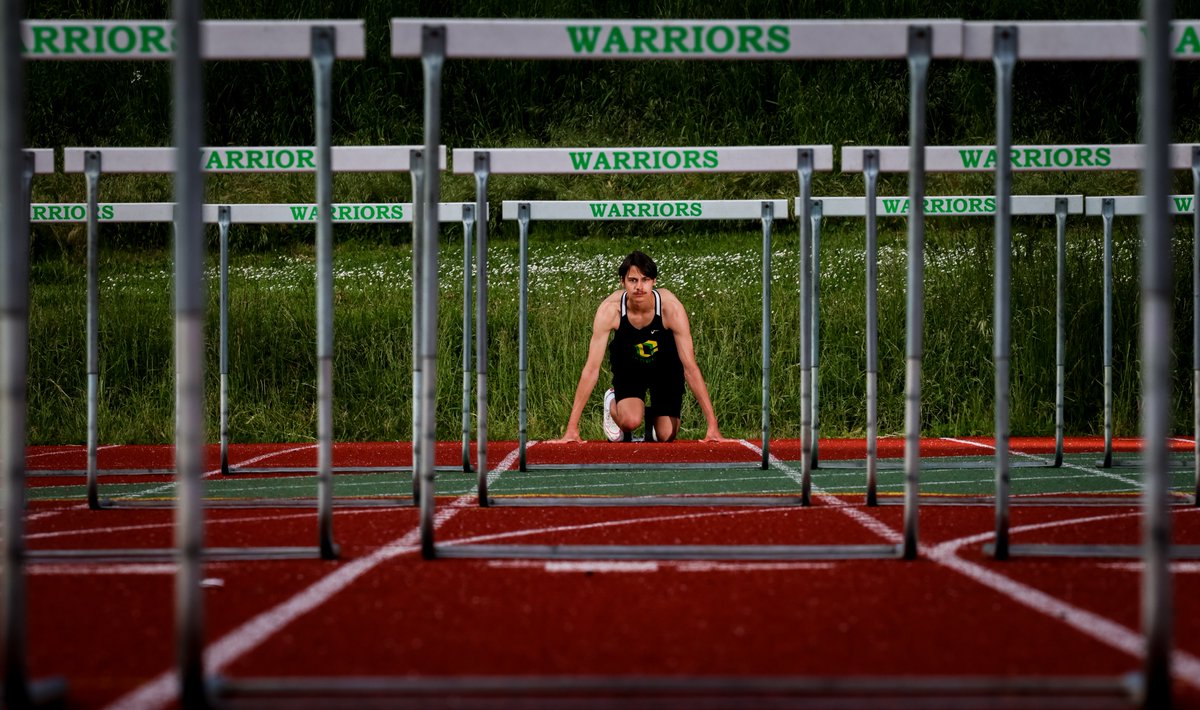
x=628 y=413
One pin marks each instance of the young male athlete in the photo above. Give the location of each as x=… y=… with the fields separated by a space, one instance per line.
x=651 y=351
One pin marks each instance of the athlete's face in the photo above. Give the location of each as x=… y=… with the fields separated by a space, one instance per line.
x=637 y=285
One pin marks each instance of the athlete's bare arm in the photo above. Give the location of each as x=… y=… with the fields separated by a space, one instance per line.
x=675 y=319
x=608 y=317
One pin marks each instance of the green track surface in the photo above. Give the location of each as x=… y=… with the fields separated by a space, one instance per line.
x=1080 y=475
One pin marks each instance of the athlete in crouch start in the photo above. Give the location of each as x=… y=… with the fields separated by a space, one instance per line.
x=651 y=351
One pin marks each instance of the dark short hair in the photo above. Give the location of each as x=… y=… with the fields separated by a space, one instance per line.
x=643 y=263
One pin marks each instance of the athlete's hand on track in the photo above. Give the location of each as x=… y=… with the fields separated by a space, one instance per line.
x=714 y=435
x=571 y=436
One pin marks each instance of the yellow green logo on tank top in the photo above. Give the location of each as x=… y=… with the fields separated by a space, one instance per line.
x=647 y=350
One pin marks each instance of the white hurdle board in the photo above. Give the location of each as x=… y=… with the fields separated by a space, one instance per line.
x=43 y=160
x=630 y=210
x=251 y=159
x=642 y=160
x=1024 y=158
x=949 y=206
x=1134 y=205
x=1079 y=41
x=244 y=213
x=154 y=39
x=676 y=39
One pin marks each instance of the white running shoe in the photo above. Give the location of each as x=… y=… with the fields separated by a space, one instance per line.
x=611 y=430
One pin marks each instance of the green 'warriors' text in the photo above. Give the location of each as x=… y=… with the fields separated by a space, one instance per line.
x=1049 y=157
x=142 y=40
x=656 y=159
x=680 y=39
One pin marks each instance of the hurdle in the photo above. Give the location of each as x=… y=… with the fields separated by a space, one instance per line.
x=646 y=210
x=182 y=41
x=1156 y=42
x=869 y=208
x=1184 y=156
x=92 y=162
x=1109 y=208
x=803 y=160
x=436 y=40
x=225 y=216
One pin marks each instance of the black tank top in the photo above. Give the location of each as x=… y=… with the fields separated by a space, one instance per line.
x=643 y=350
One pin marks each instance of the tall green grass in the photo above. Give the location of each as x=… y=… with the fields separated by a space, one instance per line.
x=714 y=269
x=717 y=274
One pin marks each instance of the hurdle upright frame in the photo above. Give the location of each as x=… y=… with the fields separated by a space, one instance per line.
x=1108 y=208
x=316 y=41
x=917 y=41
x=869 y=207
x=526 y=212
x=485 y=162
x=1151 y=42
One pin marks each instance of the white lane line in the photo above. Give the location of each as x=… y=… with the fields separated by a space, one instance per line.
x=170 y=525
x=163 y=689
x=653 y=566
x=1185 y=667
x=102 y=568
x=1132 y=482
x=71 y=450
x=166 y=487
x=869 y=522
x=1176 y=567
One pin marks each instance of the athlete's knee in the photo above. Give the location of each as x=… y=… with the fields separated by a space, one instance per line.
x=666 y=432
x=628 y=418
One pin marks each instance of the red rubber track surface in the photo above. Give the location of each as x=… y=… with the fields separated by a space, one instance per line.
x=381 y=610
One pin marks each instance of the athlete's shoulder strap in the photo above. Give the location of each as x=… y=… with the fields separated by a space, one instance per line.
x=623 y=313
x=657 y=303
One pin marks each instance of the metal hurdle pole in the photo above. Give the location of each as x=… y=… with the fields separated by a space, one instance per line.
x=481 y=164
x=91 y=168
x=919 y=51
x=322 y=63
x=433 y=54
x=468 y=221
x=768 y=216
x=1004 y=56
x=1196 y=324
x=189 y=354
x=1156 y=300
x=223 y=219
x=523 y=335
x=871 y=178
x=417 y=158
x=1107 y=215
x=1060 y=328
x=804 y=167
x=16 y=174
x=815 y=216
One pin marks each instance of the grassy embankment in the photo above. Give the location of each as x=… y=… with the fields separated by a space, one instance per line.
x=714 y=268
